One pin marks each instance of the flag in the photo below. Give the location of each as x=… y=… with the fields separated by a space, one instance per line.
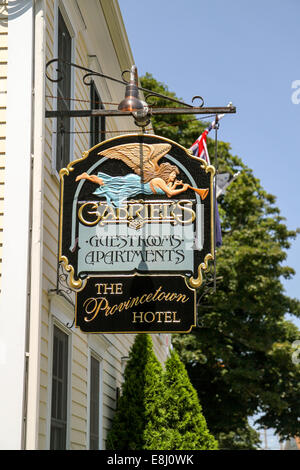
x=223 y=180
x=199 y=149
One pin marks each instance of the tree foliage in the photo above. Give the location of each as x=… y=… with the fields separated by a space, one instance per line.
x=141 y=412
x=240 y=357
x=181 y=128
x=186 y=425
x=245 y=438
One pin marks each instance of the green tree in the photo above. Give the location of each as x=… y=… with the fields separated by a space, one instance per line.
x=140 y=412
x=240 y=357
x=186 y=426
x=181 y=128
x=245 y=438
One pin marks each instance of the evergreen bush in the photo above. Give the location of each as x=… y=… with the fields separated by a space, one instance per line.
x=157 y=410
x=186 y=425
x=140 y=412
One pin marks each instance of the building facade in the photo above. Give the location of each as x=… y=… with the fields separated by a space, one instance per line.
x=59 y=385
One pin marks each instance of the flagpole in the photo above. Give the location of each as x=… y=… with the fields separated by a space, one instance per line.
x=216 y=127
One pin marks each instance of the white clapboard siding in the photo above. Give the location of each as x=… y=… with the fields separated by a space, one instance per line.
x=112 y=367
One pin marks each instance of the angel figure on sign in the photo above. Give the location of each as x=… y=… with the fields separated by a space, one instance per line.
x=148 y=178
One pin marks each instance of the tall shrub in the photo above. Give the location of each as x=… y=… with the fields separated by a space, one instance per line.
x=186 y=425
x=140 y=413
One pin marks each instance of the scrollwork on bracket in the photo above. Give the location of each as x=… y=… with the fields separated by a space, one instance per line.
x=195 y=283
x=75 y=284
x=64 y=290
x=92 y=73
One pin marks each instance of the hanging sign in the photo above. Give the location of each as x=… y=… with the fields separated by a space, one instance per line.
x=136 y=231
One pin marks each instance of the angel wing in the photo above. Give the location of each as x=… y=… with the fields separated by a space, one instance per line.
x=141 y=158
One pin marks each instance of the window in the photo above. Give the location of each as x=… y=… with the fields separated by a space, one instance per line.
x=97 y=122
x=58 y=431
x=63 y=95
x=95 y=402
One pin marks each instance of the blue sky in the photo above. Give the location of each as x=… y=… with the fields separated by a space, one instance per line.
x=246 y=52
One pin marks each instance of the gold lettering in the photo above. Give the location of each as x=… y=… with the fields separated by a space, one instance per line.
x=182 y=298
x=81 y=216
x=140 y=316
x=154 y=208
x=119 y=288
x=109 y=288
x=99 y=288
x=161 y=296
x=108 y=212
x=156 y=293
x=159 y=317
x=130 y=212
x=127 y=304
x=168 y=317
x=174 y=318
x=112 y=310
x=183 y=208
x=159 y=314
x=141 y=211
x=119 y=211
x=142 y=300
x=146 y=316
x=164 y=211
x=146 y=212
x=93 y=306
x=134 y=301
x=172 y=296
x=138 y=211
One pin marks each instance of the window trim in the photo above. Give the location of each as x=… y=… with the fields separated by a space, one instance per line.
x=65 y=386
x=98 y=346
x=95 y=355
x=59 y=6
x=60 y=314
x=101 y=119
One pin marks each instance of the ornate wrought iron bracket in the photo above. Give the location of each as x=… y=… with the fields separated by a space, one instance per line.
x=184 y=108
x=63 y=289
x=208 y=287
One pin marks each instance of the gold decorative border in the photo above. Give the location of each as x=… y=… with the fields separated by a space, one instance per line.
x=79 y=284
x=195 y=283
x=75 y=284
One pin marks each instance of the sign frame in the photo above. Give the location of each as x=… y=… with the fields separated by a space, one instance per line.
x=194 y=281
